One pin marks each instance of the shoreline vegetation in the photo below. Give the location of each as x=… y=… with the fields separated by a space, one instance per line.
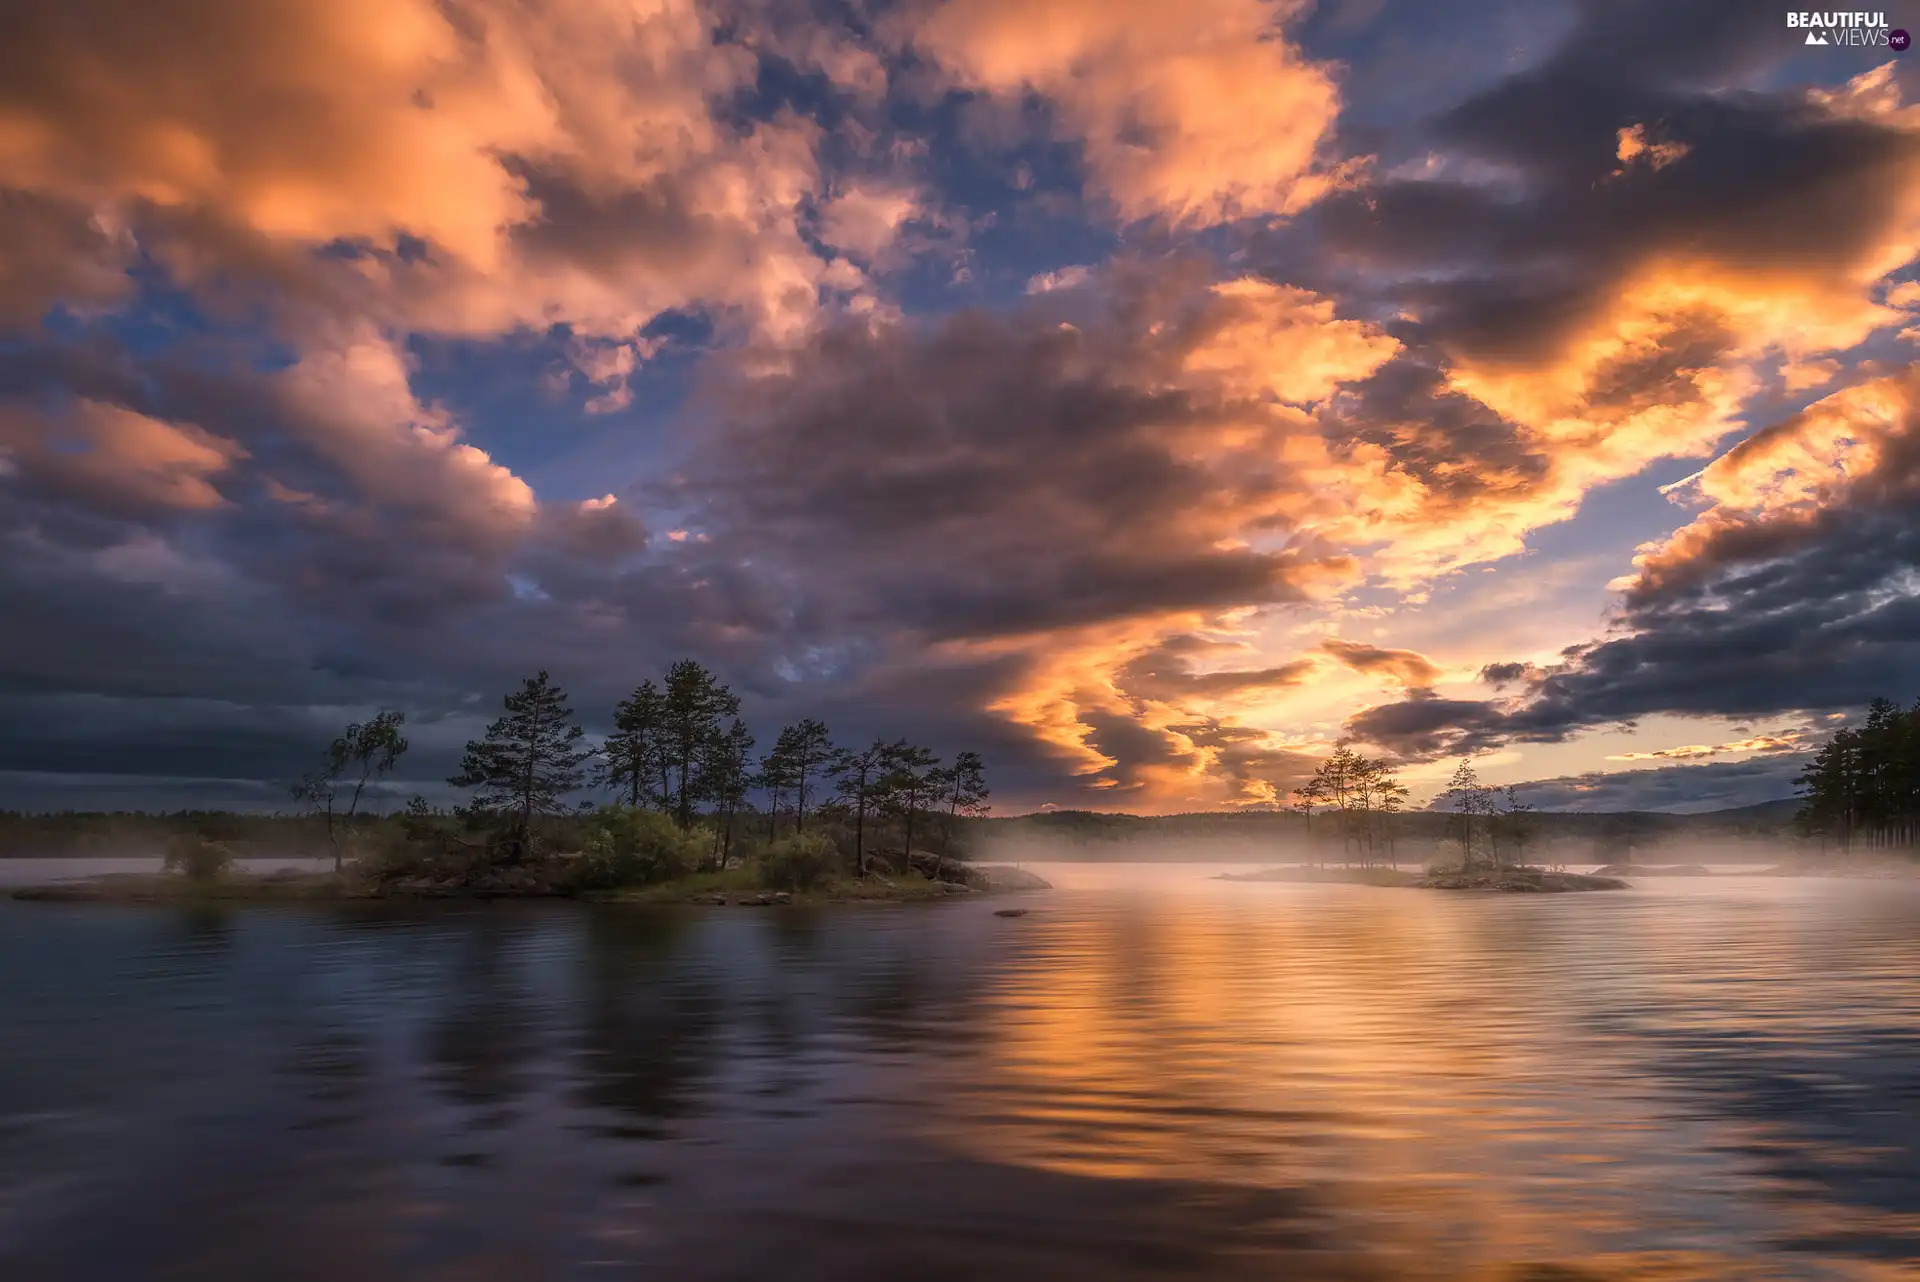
x=928 y=878
x=856 y=823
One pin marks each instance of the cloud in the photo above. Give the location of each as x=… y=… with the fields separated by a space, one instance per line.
x=468 y=167
x=1793 y=589
x=1076 y=481
x=1562 y=330
x=113 y=457
x=1676 y=789
x=1411 y=670
x=863 y=221
x=1785 y=741
x=1193 y=115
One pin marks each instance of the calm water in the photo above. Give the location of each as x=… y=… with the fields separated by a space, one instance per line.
x=1149 y=1076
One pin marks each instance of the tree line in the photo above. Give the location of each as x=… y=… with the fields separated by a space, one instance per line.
x=1863 y=785
x=678 y=748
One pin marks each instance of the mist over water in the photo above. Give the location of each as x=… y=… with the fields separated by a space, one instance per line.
x=1153 y=1074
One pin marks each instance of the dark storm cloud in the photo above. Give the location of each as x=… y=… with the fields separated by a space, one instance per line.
x=991 y=475
x=1596 y=170
x=1784 y=606
x=1681 y=789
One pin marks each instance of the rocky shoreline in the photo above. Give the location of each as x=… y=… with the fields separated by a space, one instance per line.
x=1520 y=881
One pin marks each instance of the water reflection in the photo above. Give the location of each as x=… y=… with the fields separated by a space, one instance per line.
x=1202 y=1081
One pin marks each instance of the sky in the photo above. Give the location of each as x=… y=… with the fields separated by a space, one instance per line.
x=1146 y=396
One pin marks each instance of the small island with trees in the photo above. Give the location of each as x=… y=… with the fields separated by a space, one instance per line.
x=1487 y=831
x=872 y=823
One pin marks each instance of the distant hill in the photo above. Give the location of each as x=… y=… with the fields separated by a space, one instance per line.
x=1268 y=834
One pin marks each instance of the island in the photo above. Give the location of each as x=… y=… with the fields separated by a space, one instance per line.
x=925 y=877
x=1511 y=878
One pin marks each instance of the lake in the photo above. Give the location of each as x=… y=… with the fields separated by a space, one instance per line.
x=1152 y=1075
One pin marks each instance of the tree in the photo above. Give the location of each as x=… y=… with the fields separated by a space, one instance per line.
x=1361 y=791
x=1392 y=799
x=726 y=775
x=1467 y=799
x=913 y=773
x=813 y=757
x=1307 y=798
x=1863 y=785
x=693 y=707
x=962 y=789
x=528 y=760
x=1511 y=814
x=777 y=777
x=863 y=786
x=630 y=761
x=368 y=750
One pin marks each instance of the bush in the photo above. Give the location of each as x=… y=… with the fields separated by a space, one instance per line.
x=197 y=858
x=799 y=862
x=627 y=847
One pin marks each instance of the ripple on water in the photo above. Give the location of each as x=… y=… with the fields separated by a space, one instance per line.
x=1144 y=1080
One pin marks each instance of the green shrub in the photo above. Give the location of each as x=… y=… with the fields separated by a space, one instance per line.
x=628 y=847
x=799 y=862
x=196 y=858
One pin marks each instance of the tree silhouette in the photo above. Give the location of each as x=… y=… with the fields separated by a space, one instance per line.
x=813 y=757
x=913 y=773
x=368 y=750
x=528 y=760
x=962 y=789
x=862 y=785
x=1467 y=800
x=1863 y=785
x=693 y=707
x=726 y=775
x=630 y=763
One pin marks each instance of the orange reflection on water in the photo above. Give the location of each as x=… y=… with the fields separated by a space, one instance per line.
x=1460 y=1081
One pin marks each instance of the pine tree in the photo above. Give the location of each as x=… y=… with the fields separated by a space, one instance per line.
x=528 y=760
x=862 y=785
x=726 y=775
x=629 y=763
x=778 y=776
x=813 y=757
x=962 y=789
x=912 y=775
x=1467 y=799
x=693 y=707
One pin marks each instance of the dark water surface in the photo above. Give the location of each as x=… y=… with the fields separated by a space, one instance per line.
x=1149 y=1076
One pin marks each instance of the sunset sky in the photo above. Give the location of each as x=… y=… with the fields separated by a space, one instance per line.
x=1144 y=394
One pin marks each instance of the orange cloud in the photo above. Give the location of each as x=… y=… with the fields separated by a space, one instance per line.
x=1785 y=741
x=563 y=162
x=117 y=456
x=1195 y=113
x=1784 y=476
x=1412 y=670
